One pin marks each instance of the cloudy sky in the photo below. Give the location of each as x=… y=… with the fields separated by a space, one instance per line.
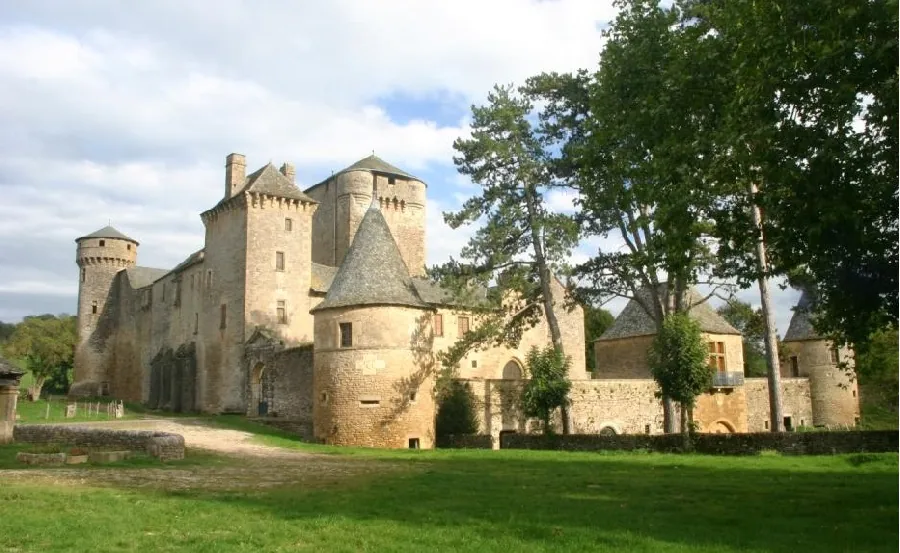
x=124 y=112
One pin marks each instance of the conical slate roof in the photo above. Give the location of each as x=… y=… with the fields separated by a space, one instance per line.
x=107 y=232
x=801 y=327
x=378 y=165
x=373 y=273
x=634 y=321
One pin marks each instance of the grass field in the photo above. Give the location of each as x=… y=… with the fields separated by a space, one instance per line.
x=372 y=500
x=37 y=411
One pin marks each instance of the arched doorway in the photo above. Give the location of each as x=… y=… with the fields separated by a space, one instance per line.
x=263 y=388
x=512 y=370
x=608 y=431
x=722 y=427
x=511 y=419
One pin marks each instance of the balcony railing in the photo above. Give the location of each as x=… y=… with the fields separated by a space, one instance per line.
x=727 y=379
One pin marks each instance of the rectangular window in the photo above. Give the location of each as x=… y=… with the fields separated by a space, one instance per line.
x=281 y=312
x=717 y=356
x=94 y=307
x=279 y=261
x=474 y=364
x=222 y=316
x=346 y=334
x=288 y=225
x=438 y=325
x=196 y=322
x=463 y=324
x=795 y=367
x=835 y=356
x=83 y=274
x=103 y=243
x=369 y=402
x=414 y=443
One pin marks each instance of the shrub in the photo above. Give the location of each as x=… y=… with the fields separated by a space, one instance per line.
x=455 y=410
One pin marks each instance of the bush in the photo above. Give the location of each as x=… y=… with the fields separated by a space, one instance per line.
x=456 y=410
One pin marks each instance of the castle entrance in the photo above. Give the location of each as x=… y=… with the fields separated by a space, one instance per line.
x=263 y=389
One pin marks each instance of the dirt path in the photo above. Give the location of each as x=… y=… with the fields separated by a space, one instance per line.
x=200 y=434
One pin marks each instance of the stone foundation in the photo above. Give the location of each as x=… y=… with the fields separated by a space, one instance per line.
x=161 y=445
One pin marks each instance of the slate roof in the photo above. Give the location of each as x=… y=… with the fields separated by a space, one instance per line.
x=801 y=327
x=321 y=277
x=144 y=276
x=372 y=164
x=634 y=321
x=107 y=232
x=373 y=273
x=269 y=180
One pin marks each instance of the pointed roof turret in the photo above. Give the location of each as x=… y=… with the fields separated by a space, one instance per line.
x=376 y=164
x=107 y=232
x=635 y=321
x=373 y=272
x=801 y=327
x=269 y=180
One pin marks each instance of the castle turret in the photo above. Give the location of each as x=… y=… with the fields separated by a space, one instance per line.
x=373 y=382
x=100 y=256
x=833 y=390
x=345 y=198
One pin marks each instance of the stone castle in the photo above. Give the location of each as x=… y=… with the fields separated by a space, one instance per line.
x=311 y=309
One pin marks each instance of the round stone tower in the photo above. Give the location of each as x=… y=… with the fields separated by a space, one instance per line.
x=399 y=195
x=100 y=256
x=373 y=366
x=833 y=392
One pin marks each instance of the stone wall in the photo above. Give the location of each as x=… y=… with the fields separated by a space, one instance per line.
x=465 y=441
x=289 y=372
x=627 y=357
x=162 y=445
x=789 y=443
x=173 y=379
x=795 y=402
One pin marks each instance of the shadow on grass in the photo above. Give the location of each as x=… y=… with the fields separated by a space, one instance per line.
x=618 y=502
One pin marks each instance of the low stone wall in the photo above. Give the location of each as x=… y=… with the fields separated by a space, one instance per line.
x=790 y=443
x=465 y=441
x=162 y=445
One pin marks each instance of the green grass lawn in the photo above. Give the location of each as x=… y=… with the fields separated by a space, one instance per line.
x=37 y=411
x=501 y=501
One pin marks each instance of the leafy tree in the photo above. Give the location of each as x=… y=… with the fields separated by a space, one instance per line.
x=634 y=137
x=521 y=243
x=596 y=321
x=455 y=410
x=547 y=387
x=47 y=343
x=6 y=330
x=809 y=114
x=876 y=367
x=749 y=321
x=679 y=363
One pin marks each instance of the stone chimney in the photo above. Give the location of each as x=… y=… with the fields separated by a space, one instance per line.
x=235 y=173
x=288 y=170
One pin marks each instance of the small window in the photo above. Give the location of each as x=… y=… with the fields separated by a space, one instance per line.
x=413 y=396
x=646 y=429
x=279 y=261
x=94 y=307
x=83 y=274
x=835 y=356
x=346 y=330
x=802 y=422
x=438 y=324
x=788 y=424
x=196 y=322
x=208 y=279
x=103 y=243
x=854 y=393
x=392 y=180
x=474 y=364
x=717 y=356
x=766 y=425
x=795 y=366
x=369 y=402
x=281 y=312
x=128 y=247
x=414 y=443
x=463 y=324
x=222 y=311
x=288 y=225
x=323 y=397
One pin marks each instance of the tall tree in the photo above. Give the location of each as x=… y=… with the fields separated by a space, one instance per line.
x=634 y=142
x=522 y=243
x=547 y=387
x=749 y=321
x=810 y=117
x=47 y=343
x=596 y=321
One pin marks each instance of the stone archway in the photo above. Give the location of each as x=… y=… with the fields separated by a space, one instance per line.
x=262 y=390
x=510 y=417
x=722 y=427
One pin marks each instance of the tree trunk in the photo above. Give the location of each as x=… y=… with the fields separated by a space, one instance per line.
x=546 y=292
x=775 y=410
x=34 y=391
x=668 y=415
